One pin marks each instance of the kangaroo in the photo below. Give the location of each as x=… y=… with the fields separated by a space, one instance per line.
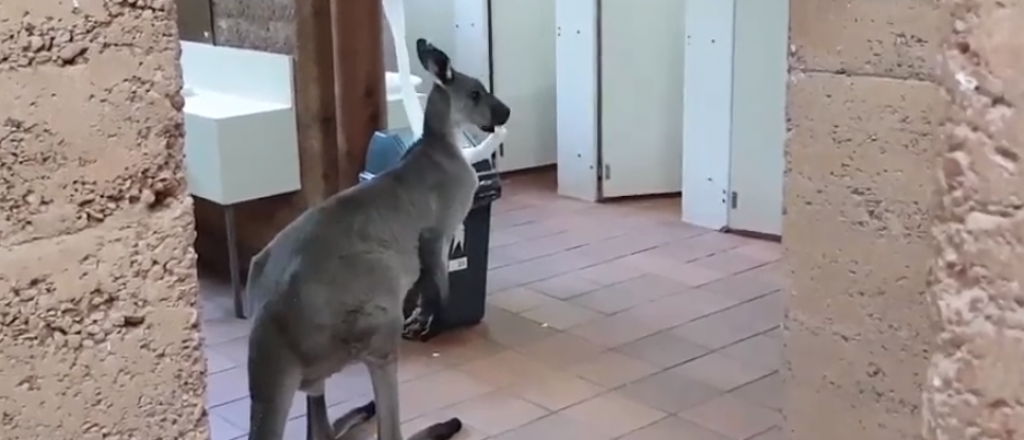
x=328 y=289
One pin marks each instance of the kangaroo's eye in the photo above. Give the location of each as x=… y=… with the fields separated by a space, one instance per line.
x=475 y=96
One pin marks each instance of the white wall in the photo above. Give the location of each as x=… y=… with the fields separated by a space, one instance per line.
x=578 y=87
x=641 y=61
x=707 y=112
x=759 y=115
x=523 y=60
x=734 y=124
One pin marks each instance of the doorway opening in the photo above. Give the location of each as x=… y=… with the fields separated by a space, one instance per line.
x=616 y=303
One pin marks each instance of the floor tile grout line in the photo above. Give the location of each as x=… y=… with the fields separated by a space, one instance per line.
x=722 y=251
x=621 y=257
x=709 y=313
x=569 y=298
x=574 y=247
x=751 y=268
x=527 y=240
x=704 y=355
x=710 y=350
x=524 y=222
x=733 y=389
x=556 y=275
x=716 y=350
x=559 y=231
x=696 y=259
x=764 y=431
x=516 y=208
x=722 y=393
x=539 y=217
x=608 y=238
x=660 y=369
x=616 y=283
x=667 y=415
x=566 y=408
x=527 y=260
x=687 y=287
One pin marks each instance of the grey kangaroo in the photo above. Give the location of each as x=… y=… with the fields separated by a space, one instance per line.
x=328 y=289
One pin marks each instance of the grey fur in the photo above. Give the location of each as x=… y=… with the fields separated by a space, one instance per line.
x=328 y=288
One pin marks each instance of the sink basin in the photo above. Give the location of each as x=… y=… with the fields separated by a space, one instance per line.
x=241 y=141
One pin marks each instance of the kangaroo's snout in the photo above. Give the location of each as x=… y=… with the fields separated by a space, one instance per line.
x=500 y=113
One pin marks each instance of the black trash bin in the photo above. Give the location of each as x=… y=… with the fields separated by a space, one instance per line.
x=467 y=262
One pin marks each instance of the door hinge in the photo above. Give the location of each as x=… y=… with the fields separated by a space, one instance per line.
x=734 y=199
x=607 y=171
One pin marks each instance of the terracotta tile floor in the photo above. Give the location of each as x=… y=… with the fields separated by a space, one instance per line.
x=611 y=321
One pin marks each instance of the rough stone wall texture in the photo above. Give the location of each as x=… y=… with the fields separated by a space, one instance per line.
x=255 y=24
x=862 y=114
x=99 y=334
x=269 y=25
x=975 y=386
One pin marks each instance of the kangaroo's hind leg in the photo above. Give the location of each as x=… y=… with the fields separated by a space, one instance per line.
x=318 y=426
x=274 y=377
x=382 y=362
x=384 y=376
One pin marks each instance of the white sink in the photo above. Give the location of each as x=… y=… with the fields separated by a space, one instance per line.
x=241 y=141
x=240 y=131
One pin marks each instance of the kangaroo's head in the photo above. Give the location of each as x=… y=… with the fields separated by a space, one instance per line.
x=471 y=102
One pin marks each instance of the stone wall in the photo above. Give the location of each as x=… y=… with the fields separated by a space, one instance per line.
x=269 y=25
x=255 y=24
x=97 y=274
x=975 y=386
x=863 y=113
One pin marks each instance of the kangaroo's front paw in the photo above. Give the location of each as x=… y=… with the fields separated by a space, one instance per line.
x=418 y=326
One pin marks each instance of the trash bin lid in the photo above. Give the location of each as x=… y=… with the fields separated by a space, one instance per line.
x=389 y=147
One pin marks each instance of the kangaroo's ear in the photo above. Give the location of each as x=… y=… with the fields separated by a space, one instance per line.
x=435 y=61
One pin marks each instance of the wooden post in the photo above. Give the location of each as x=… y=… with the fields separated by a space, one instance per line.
x=314 y=90
x=358 y=81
